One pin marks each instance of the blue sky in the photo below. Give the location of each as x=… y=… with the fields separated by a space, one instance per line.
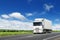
x=26 y=6
x=30 y=9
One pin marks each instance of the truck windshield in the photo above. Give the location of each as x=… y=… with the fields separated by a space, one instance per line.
x=37 y=23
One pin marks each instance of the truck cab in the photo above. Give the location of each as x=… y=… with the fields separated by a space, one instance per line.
x=38 y=27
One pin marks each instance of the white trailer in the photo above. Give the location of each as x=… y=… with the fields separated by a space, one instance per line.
x=42 y=25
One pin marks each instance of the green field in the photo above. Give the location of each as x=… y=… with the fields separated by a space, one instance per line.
x=17 y=32
x=56 y=30
x=14 y=32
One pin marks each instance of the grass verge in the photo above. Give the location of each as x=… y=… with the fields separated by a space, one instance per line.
x=56 y=30
x=9 y=33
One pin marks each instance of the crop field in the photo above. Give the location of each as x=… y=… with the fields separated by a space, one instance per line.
x=56 y=30
x=14 y=32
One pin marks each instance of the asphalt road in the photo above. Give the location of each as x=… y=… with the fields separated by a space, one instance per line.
x=47 y=36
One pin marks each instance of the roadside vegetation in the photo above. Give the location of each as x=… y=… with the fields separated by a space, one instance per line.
x=56 y=30
x=17 y=32
x=14 y=32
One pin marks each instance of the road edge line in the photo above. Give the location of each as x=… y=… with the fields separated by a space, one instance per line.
x=51 y=37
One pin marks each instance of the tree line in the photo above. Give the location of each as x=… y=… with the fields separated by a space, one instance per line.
x=15 y=30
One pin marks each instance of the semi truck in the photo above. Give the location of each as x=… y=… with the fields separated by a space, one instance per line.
x=42 y=25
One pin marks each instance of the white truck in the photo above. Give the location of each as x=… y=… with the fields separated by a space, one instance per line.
x=42 y=25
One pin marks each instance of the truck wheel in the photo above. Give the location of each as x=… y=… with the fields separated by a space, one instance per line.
x=34 y=33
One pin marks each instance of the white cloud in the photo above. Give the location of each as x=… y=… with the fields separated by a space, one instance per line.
x=56 y=27
x=17 y=15
x=29 y=14
x=15 y=25
x=5 y=16
x=48 y=7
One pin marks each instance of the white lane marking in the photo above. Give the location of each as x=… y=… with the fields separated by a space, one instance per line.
x=33 y=35
x=30 y=36
x=51 y=37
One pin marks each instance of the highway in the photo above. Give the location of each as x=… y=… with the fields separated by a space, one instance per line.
x=47 y=36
